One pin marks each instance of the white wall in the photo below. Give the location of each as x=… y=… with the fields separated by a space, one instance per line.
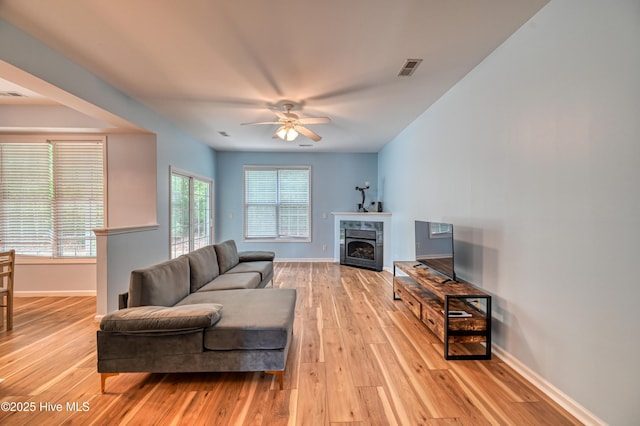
x=132 y=180
x=55 y=278
x=535 y=158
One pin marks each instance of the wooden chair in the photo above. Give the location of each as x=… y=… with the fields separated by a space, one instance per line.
x=7 y=263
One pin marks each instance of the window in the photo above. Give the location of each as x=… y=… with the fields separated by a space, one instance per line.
x=191 y=212
x=440 y=230
x=51 y=197
x=277 y=203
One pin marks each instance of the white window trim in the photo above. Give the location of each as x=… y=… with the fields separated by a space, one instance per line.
x=175 y=170
x=244 y=206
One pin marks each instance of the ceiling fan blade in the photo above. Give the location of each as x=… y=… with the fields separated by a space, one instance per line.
x=315 y=120
x=279 y=114
x=308 y=133
x=260 y=122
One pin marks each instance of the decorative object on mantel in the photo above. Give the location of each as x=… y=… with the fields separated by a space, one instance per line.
x=361 y=207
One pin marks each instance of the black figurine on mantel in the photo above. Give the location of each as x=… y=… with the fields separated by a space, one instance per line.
x=361 y=207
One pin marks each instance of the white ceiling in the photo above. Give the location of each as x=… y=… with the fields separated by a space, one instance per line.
x=210 y=65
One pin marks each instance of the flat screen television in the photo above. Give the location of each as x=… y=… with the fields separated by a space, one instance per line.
x=434 y=247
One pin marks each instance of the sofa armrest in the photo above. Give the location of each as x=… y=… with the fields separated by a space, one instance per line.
x=251 y=256
x=123 y=300
x=150 y=319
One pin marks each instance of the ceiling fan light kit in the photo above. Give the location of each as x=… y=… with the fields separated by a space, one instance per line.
x=291 y=125
x=287 y=133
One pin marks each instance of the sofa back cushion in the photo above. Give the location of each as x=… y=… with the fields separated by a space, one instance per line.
x=164 y=284
x=227 y=255
x=203 y=264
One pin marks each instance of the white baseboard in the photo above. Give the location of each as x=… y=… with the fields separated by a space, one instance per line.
x=55 y=293
x=298 y=260
x=562 y=399
x=320 y=259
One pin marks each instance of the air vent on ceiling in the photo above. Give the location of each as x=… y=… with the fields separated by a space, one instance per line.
x=12 y=94
x=409 y=67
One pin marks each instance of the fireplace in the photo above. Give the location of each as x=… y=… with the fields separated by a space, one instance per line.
x=361 y=244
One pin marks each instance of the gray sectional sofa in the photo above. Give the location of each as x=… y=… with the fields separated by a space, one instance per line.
x=205 y=311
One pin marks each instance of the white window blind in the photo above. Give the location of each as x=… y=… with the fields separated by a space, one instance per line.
x=26 y=210
x=277 y=203
x=79 y=196
x=51 y=197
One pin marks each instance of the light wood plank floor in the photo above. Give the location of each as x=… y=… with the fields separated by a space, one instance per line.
x=357 y=357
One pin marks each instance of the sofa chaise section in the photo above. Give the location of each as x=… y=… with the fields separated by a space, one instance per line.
x=252 y=319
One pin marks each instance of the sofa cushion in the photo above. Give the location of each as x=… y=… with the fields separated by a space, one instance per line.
x=253 y=319
x=227 y=253
x=145 y=319
x=164 y=284
x=203 y=263
x=263 y=267
x=233 y=281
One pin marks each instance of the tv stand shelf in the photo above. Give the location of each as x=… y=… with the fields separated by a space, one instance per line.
x=432 y=298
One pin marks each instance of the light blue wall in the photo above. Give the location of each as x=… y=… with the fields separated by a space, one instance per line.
x=534 y=157
x=127 y=251
x=333 y=179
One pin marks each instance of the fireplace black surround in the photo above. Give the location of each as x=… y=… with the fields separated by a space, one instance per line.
x=361 y=244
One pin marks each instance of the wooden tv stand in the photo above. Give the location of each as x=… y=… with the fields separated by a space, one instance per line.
x=431 y=298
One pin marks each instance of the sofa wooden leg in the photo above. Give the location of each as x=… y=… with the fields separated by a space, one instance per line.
x=103 y=379
x=279 y=375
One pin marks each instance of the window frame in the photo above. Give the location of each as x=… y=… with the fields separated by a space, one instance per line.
x=191 y=176
x=56 y=247
x=277 y=239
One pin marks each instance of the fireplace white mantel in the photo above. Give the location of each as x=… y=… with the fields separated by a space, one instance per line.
x=384 y=217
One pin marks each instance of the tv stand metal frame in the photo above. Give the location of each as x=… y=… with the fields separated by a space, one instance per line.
x=427 y=297
x=486 y=333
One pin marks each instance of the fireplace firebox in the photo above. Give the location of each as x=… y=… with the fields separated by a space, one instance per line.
x=361 y=244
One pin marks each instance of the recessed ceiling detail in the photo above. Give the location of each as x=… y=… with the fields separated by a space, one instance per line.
x=11 y=94
x=409 y=67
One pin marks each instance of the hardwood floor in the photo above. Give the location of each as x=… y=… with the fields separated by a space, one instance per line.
x=358 y=357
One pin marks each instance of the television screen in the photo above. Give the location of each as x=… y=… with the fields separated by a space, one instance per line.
x=434 y=247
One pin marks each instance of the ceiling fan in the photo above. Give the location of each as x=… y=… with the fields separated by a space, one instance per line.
x=291 y=124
